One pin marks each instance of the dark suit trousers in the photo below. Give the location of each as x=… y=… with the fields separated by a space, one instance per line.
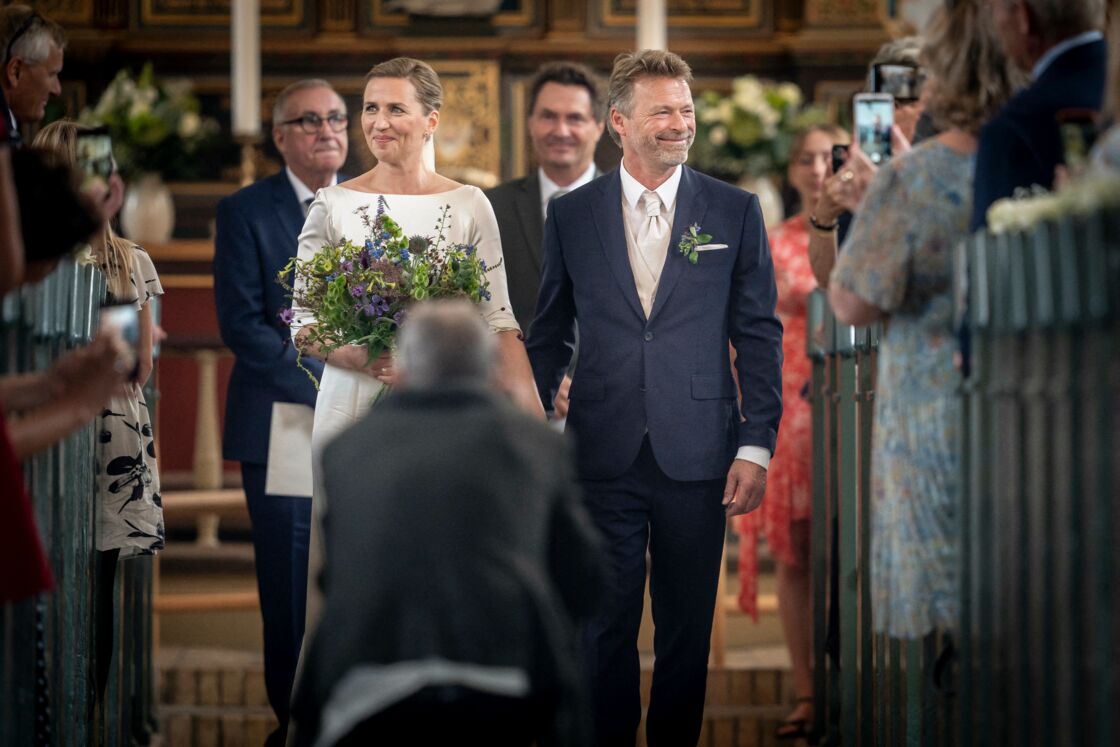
x=683 y=525
x=281 y=530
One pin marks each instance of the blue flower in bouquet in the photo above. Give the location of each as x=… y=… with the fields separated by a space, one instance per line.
x=384 y=274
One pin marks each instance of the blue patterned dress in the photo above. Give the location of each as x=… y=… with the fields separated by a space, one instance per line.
x=898 y=257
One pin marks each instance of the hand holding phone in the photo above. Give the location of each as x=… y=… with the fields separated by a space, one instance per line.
x=122 y=322
x=874 y=118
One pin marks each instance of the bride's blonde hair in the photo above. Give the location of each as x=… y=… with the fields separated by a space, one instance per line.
x=114 y=256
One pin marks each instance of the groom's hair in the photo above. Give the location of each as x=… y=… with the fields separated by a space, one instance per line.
x=629 y=67
x=443 y=342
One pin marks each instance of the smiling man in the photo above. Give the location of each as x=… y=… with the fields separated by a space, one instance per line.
x=257 y=232
x=33 y=50
x=566 y=109
x=663 y=452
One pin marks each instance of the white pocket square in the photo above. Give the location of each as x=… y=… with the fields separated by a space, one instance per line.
x=710 y=247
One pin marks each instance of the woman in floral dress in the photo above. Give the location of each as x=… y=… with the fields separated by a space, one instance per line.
x=783 y=517
x=896 y=266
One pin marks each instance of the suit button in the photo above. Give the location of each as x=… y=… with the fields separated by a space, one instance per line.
x=648 y=336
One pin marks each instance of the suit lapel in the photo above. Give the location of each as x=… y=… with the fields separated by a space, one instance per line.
x=607 y=214
x=289 y=212
x=690 y=209
x=528 y=210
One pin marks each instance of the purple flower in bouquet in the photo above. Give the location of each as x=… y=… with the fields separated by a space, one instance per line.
x=286 y=316
x=357 y=292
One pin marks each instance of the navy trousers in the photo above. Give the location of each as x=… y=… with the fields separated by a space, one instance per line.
x=683 y=525
x=281 y=531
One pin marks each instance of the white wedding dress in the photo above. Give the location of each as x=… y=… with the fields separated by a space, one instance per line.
x=345 y=395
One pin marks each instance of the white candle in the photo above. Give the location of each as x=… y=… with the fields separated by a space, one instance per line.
x=245 y=61
x=653 y=28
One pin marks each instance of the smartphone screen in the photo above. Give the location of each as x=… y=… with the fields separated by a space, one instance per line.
x=94 y=151
x=874 y=115
x=124 y=321
x=839 y=155
x=904 y=82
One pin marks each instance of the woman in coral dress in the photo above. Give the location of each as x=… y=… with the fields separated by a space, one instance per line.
x=784 y=515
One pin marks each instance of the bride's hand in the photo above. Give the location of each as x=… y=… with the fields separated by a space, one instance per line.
x=356 y=358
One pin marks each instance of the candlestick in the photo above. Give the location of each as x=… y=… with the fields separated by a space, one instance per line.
x=245 y=62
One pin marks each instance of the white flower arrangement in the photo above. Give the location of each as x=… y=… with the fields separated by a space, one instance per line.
x=749 y=132
x=156 y=125
x=1030 y=207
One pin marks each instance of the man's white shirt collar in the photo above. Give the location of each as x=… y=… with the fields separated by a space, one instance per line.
x=632 y=189
x=303 y=192
x=1085 y=37
x=549 y=187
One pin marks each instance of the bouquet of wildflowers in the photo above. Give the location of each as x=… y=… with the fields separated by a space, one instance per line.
x=156 y=125
x=749 y=133
x=360 y=293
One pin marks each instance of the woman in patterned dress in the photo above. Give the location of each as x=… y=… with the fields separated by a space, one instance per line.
x=896 y=266
x=129 y=512
x=783 y=517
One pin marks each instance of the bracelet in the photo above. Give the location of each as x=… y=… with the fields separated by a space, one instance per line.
x=821 y=226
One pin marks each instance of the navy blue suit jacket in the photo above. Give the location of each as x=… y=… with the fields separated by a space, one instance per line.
x=257 y=233
x=670 y=374
x=1022 y=144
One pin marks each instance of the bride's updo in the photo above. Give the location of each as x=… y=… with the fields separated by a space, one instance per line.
x=429 y=91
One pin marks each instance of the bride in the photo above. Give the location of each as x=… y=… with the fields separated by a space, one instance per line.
x=400 y=112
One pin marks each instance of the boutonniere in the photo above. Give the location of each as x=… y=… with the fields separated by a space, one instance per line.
x=694 y=242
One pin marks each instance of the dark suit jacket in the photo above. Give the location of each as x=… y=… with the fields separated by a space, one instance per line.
x=454 y=531
x=257 y=232
x=670 y=374
x=1022 y=144
x=517 y=206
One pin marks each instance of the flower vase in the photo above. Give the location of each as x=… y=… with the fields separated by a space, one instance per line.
x=148 y=214
x=769 y=198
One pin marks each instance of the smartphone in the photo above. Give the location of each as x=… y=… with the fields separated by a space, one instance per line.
x=904 y=82
x=94 y=152
x=874 y=117
x=123 y=321
x=839 y=155
x=1079 y=130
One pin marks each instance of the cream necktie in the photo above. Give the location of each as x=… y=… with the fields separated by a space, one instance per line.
x=651 y=242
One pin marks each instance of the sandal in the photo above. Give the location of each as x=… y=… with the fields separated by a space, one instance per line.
x=796 y=728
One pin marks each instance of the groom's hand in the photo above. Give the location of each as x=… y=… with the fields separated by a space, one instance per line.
x=746 y=484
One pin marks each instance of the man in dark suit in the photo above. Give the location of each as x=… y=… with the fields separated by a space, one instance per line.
x=452 y=571
x=257 y=232
x=33 y=48
x=566 y=109
x=662 y=453
x=1059 y=42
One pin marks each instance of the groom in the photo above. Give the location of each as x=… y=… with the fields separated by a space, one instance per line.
x=663 y=455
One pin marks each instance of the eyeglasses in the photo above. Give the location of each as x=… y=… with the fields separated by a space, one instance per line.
x=311 y=123
x=23 y=29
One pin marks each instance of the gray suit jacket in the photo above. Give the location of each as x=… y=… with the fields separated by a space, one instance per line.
x=474 y=550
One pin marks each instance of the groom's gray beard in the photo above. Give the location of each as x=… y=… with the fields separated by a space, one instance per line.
x=674 y=157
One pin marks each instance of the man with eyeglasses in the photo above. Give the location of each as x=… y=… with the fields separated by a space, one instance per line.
x=270 y=400
x=33 y=50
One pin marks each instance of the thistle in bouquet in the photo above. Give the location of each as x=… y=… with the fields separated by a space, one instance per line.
x=360 y=293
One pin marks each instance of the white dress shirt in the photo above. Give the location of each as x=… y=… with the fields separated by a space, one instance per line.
x=1085 y=37
x=304 y=195
x=549 y=188
x=632 y=216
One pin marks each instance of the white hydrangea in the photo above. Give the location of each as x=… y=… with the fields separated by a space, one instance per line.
x=747 y=93
x=189 y=125
x=790 y=94
x=718 y=135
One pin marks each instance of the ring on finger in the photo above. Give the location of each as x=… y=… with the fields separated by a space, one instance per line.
x=847 y=176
